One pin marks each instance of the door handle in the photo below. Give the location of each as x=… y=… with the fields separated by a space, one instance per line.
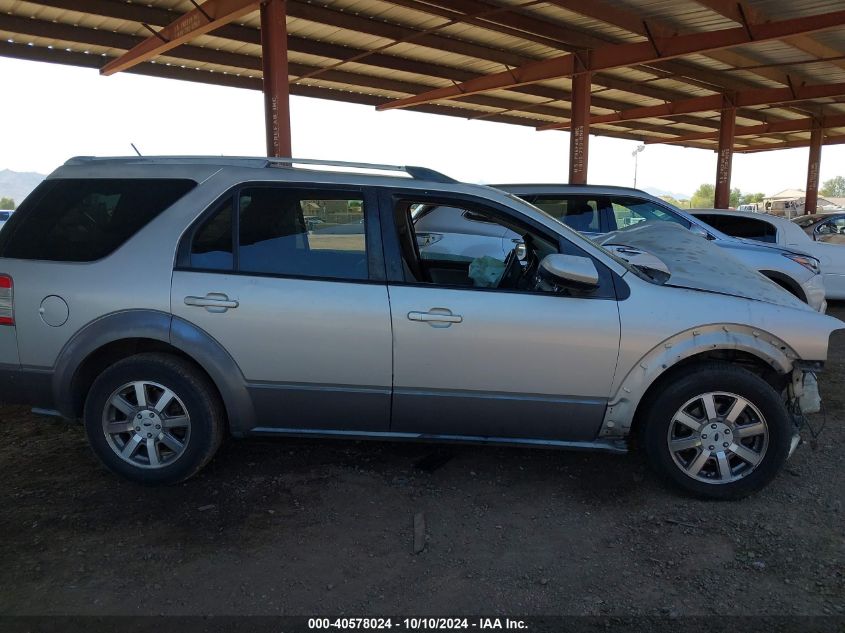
x=213 y=302
x=436 y=317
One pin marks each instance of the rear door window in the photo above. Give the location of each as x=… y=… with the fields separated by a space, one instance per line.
x=85 y=219
x=284 y=231
x=302 y=233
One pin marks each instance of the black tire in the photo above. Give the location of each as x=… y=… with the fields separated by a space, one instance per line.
x=708 y=378
x=196 y=395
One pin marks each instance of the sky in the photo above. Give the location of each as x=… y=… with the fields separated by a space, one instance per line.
x=49 y=113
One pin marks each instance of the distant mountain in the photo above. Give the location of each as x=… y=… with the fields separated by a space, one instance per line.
x=18 y=184
x=657 y=191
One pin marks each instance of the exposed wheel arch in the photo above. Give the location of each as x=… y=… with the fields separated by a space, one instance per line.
x=765 y=353
x=748 y=361
x=787 y=283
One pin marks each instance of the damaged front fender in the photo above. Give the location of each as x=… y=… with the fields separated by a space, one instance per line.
x=696 y=341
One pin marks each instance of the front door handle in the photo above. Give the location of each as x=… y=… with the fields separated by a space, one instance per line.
x=213 y=302
x=436 y=317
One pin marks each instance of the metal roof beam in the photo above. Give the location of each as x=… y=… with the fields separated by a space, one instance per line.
x=201 y=55
x=207 y=17
x=630 y=21
x=743 y=98
x=619 y=55
x=160 y=17
x=549 y=34
x=197 y=54
x=838 y=139
x=795 y=125
x=71 y=58
x=750 y=17
x=563 y=37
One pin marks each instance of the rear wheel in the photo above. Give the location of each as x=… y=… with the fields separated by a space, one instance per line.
x=153 y=418
x=718 y=431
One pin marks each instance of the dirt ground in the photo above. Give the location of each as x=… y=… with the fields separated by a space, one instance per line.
x=326 y=527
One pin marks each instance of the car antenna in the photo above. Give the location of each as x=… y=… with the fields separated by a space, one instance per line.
x=135 y=148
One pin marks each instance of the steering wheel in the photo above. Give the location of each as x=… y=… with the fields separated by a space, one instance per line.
x=513 y=271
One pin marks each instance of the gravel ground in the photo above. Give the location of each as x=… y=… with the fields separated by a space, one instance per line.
x=327 y=527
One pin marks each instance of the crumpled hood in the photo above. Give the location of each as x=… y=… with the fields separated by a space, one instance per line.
x=693 y=262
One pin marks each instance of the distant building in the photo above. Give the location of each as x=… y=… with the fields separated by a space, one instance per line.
x=790 y=203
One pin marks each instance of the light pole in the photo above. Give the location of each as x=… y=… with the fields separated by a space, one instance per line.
x=636 y=154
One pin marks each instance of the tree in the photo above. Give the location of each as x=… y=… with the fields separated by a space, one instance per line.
x=704 y=197
x=736 y=194
x=7 y=204
x=751 y=198
x=673 y=201
x=834 y=187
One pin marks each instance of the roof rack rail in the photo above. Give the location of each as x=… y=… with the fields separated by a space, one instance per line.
x=418 y=173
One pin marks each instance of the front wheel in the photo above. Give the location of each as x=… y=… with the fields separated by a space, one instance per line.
x=718 y=431
x=154 y=418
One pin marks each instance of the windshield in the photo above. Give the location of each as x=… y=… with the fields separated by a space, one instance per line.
x=639 y=271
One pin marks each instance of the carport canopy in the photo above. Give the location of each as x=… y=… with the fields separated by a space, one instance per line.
x=746 y=76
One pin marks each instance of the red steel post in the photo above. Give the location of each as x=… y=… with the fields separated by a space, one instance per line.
x=724 y=159
x=274 y=61
x=811 y=198
x=579 y=129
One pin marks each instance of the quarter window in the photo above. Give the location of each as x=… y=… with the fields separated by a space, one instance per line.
x=85 y=219
x=213 y=246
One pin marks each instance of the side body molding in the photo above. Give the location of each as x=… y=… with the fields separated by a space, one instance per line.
x=707 y=338
x=157 y=326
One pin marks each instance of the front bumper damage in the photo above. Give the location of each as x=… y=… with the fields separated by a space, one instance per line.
x=803 y=398
x=814 y=291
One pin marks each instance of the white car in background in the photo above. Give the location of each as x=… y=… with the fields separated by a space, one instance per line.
x=445 y=230
x=774 y=229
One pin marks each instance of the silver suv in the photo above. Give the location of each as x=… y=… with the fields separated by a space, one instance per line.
x=169 y=302
x=597 y=209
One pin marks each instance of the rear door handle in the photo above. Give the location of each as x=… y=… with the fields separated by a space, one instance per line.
x=436 y=317
x=213 y=302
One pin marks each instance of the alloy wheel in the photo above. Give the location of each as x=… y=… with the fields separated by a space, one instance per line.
x=718 y=437
x=146 y=424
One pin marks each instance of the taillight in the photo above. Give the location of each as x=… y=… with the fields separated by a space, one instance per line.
x=7 y=316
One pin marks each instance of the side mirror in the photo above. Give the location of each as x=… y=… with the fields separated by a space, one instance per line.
x=568 y=270
x=697 y=230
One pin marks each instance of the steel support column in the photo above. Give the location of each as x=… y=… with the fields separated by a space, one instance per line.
x=811 y=198
x=274 y=62
x=579 y=129
x=724 y=159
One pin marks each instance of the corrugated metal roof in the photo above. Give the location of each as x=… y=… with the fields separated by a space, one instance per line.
x=371 y=51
